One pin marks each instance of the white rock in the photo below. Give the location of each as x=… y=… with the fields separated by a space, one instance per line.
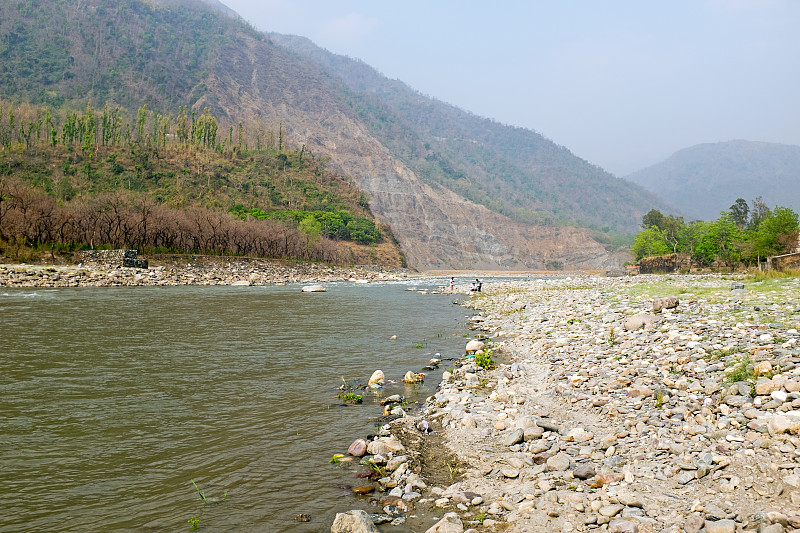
x=779 y=395
x=313 y=288
x=474 y=346
x=450 y=523
x=385 y=446
x=377 y=378
x=783 y=423
x=357 y=521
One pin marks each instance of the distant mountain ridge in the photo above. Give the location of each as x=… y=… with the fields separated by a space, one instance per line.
x=704 y=179
x=459 y=191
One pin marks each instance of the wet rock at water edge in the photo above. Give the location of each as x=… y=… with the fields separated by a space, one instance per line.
x=474 y=346
x=380 y=518
x=356 y=521
x=313 y=288
x=358 y=448
x=377 y=378
x=364 y=490
x=412 y=377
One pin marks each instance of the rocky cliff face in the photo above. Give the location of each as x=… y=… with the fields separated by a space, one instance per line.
x=416 y=159
x=436 y=228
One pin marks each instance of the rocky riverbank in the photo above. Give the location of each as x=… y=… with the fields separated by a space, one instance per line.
x=188 y=270
x=604 y=415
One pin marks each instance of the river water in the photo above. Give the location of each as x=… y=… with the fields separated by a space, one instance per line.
x=113 y=400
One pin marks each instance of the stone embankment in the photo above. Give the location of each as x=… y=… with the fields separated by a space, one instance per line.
x=603 y=415
x=187 y=270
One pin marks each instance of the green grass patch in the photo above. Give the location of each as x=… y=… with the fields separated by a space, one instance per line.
x=773 y=274
x=741 y=372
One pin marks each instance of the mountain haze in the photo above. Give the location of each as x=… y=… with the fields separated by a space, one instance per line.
x=458 y=191
x=705 y=179
x=513 y=171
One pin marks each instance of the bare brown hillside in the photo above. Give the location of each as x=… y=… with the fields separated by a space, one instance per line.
x=182 y=52
x=435 y=227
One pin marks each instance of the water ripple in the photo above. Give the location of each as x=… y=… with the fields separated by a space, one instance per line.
x=114 y=400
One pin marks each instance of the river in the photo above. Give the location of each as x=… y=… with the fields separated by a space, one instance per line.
x=113 y=401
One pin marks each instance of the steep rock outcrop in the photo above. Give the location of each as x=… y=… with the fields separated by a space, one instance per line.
x=436 y=228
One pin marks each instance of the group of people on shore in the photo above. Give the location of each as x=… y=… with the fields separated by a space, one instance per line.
x=475 y=287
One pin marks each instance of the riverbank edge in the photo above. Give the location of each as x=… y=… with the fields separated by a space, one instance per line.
x=178 y=270
x=545 y=507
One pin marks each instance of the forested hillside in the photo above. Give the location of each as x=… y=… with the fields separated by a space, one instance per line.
x=173 y=183
x=130 y=52
x=513 y=171
x=455 y=190
x=701 y=180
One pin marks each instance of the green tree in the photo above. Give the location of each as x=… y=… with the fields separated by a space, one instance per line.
x=740 y=211
x=719 y=241
x=759 y=212
x=654 y=217
x=311 y=228
x=691 y=235
x=776 y=234
x=671 y=228
x=363 y=231
x=650 y=242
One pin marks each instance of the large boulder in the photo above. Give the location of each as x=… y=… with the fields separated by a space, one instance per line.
x=313 y=288
x=788 y=422
x=451 y=523
x=356 y=521
x=384 y=446
x=474 y=346
x=377 y=378
x=669 y=302
x=358 y=448
x=640 y=320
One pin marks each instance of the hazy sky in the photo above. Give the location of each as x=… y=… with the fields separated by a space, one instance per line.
x=623 y=84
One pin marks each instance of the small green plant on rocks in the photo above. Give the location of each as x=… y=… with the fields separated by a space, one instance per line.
x=483 y=359
x=741 y=372
x=612 y=337
x=453 y=471
x=659 y=399
x=351 y=397
x=377 y=469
